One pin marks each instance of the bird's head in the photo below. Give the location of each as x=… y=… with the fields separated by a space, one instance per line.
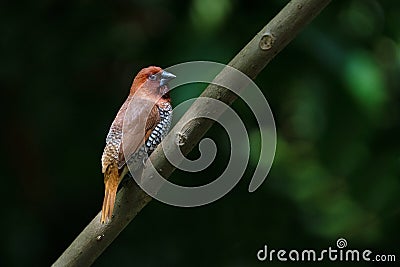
x=153 y=82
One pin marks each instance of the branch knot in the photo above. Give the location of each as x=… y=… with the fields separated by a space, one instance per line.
x=267 y=41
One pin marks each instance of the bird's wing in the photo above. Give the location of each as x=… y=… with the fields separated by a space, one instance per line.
x=141 y=118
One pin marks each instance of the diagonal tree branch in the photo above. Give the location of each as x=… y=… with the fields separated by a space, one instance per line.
x=283 y=28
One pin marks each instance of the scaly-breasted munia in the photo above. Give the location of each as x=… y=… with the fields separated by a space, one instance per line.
x=149 y=105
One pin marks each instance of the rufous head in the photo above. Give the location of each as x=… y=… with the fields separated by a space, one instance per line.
x=152 y=81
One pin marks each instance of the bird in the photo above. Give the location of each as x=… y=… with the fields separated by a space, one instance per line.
x=140 y=125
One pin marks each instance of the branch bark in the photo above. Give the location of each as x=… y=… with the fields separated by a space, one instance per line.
x=283 y=28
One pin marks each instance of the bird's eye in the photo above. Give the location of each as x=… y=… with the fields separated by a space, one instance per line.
x=152 y=77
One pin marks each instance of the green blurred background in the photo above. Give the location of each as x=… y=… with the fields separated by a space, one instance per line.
x=66 y=67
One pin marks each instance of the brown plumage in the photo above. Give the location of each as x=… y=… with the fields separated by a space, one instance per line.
x=141 y=123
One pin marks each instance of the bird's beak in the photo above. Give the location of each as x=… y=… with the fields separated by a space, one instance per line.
x=166 y=77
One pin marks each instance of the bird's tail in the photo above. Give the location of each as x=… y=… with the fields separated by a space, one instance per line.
x=111 y=181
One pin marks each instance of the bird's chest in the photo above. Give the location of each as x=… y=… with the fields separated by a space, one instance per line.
x=158 y=133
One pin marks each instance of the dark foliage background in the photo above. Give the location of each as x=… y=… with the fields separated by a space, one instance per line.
x=66 y=67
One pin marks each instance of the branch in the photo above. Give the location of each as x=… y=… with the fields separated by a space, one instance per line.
x=283 y=28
